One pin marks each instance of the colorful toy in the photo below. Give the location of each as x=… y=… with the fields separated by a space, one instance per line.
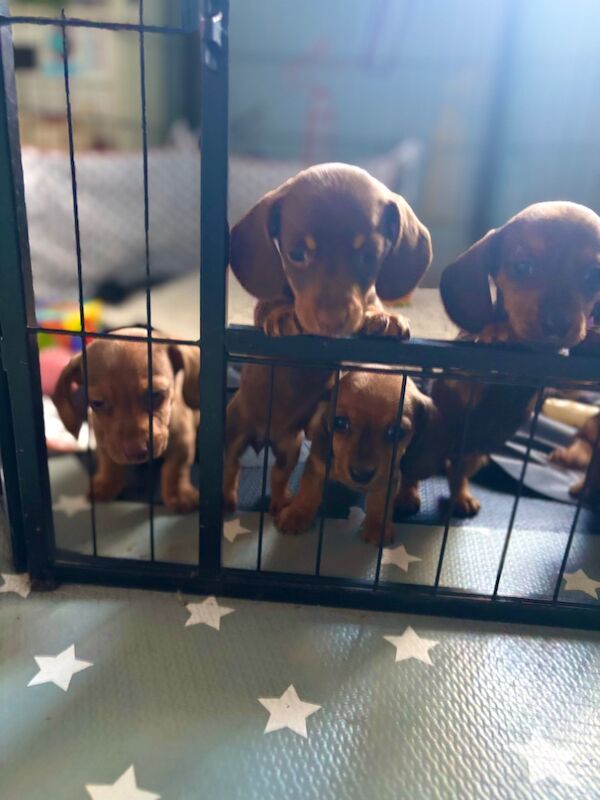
x=65 y=316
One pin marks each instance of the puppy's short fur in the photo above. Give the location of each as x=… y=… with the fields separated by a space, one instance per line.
x=120 y=400
x=365 y=427
x=544 y=266
x=319 y=252
x=583 y=453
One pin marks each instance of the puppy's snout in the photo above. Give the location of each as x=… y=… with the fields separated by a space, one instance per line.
x=555 y=323
x=331 y=320
x=136 y=453
x=362 y=475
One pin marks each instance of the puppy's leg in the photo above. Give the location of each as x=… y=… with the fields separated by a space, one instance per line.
x=178 y=493
x=374 y=521
x=287 y=450
x=298 y=516
x=109 y=479
x=465 y=504
x=236 y=441
x=408 y=499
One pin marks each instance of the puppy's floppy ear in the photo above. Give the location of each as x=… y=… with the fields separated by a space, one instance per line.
x=253 y=256
x=424 y=452
x=71 y=409
x=465 y=285
x=186 y=357
x=410 y=253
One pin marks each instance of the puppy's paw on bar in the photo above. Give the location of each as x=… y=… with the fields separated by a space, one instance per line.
x=381 y=323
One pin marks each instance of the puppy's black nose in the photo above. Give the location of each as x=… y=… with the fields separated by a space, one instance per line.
x=361 y=475
x=136 y=453
x=555 y=323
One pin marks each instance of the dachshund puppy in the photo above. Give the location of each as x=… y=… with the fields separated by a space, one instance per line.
x=583 y=449
x=319 y=252
x=365 y=429
x=544 y=265
x=121 y=401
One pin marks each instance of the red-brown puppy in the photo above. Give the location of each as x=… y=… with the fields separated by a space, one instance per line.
x=319 y=252
x=365 y=430
x=579 y=455
x=545 y=266
x=120 y=400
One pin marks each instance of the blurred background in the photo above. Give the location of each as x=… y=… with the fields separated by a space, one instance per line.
x=470 y=109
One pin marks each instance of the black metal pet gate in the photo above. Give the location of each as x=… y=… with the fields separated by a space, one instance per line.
x=23 y=440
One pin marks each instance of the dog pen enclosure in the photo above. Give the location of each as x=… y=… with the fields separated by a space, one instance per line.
x=508 y=565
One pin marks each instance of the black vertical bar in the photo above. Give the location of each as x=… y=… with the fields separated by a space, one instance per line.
x=519 y=491
x=19 y=350
x=592 y=466
x=334 y=399
x=214 y=257
x=147 y=275
x=451 y=500
x=265 y=469
x=12 y=499
x=390 y=482
x=89 y=458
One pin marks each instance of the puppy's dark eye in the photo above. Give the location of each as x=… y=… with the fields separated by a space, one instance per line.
x=156 y=399
x=366 y=257
x=591 y=281
x=97 y=405
x=523 y=270
x=341 y=424
x=297 y=255
x=394 y=433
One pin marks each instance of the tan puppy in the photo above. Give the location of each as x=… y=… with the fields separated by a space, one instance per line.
x=121 y=402
x=579 y=454
x=365 y=430
x=320 y=253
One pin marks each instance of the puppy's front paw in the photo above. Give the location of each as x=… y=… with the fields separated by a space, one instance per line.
x=371 y=533
x=408 y=500
x=281 y=321
x=380 y=323
x=182 y=501
x=104 y=489
x=466 y=505
x=296 y=518
x=560 y=456
x=279 y=502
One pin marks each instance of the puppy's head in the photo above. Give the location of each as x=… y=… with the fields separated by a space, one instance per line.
x=120 y=397
x=545 y=266
x=335 y=237
x=365 y=427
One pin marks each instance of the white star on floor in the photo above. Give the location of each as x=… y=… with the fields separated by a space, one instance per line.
x=19 y=584
x=59 y=669
x=71 y=504
x=232 y=528
x=580 y=582
x=398 y=556
x=208 y=612
x=125 y=788
x=545 y=760
x=288 y=711
x=411 y=645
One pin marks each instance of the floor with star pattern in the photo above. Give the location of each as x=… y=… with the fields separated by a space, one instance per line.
x=115 y=694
